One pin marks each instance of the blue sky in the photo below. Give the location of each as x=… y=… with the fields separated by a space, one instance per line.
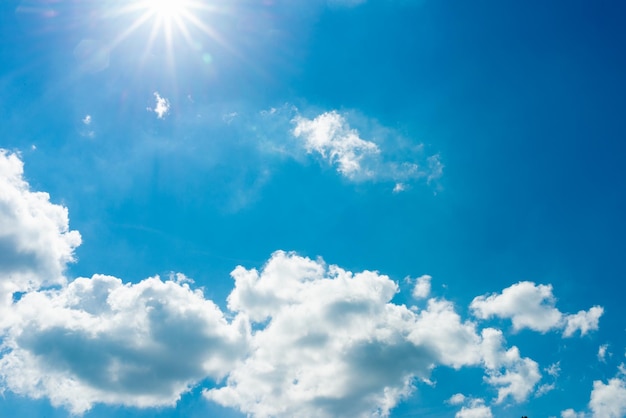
x=312 y=208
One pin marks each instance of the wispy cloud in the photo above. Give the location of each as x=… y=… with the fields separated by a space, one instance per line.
x=330 y=136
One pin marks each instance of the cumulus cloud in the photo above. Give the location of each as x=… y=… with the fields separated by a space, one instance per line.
x=532 y=306
x=161 y=107
x=35 y=240
x=513 y=376
x=608 y=400
x=330 y=136
x=331 y=343
x=99 y=340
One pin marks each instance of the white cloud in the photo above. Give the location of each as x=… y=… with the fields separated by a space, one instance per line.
x=512 y=375
x=87 y=120
x=545 y=388
x=330 y=136
x=422 y=287
x=161 y=107
x=476 y=408
x=602 y=352
x=583 y=321
x=435 y=168
x=35 y=240
x=101 y=341
x=399 y=187
x=533 y=306
x=570 y=413
x=609 y=400
x=554 y=369
x=457 y=399
x=306 y=363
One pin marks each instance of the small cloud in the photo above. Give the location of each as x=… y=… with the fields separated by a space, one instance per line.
x=602 y=352
x=162 y=106
x=422 y=287
x=570 y=413
x=435 y=168
x=545 y=388
x=399 y=187
x=554 y=369
x=87 y=120
x=229 y=117
x=457 y=399
x=533 y=306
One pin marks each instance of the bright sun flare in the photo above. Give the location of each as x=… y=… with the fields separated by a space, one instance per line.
x=167 y=9
x=169 y=19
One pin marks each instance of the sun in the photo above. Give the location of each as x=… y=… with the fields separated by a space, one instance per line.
x=168 y=18
x=167 y=9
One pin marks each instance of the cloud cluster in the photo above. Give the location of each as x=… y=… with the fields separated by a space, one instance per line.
x=297 y=338
x=532 y=306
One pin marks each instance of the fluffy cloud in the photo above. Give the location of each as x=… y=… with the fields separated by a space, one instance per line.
x=476 y=408
x=330 y=136
x=609 y=400
x=533 y=306
x=512 y=375
x=422 y=287
x=99 y=340
x=35 y=240
x=331 y=343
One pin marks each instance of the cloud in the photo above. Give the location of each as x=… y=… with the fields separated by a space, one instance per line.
x=87 y=120
x=608 y=400
x=161 y=107
x=584 y=321
x=533 y=306
x=512 y=375
x=570 y=413
x=330 y=136
x=602 y=351
x=35 y=240
x=99 y=340
x=476 y=408
x=422 y=287
x=457 y=399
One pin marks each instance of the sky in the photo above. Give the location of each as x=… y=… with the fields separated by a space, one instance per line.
x=320 y=208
